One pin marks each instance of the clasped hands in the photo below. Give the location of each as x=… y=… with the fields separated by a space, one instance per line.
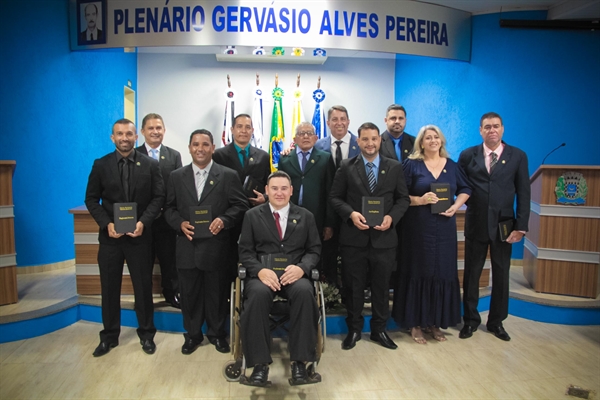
x=269 y=277
x=139 y=229
x=361 y=223
x=215 y=227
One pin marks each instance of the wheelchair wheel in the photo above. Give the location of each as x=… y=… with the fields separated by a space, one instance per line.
x=322 y=330
x=236 y=340
x=232 y=371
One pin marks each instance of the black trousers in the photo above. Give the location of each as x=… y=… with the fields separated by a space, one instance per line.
x=138 y=254
x=163 y=246
x=202 y=299
x=329 y=258
x=359 y=266
x=303 y=325
x=475 y=254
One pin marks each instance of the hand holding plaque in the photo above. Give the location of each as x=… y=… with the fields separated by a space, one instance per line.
x=125 y=217
x=372 y=210
x=442 y=191
x=200 y=219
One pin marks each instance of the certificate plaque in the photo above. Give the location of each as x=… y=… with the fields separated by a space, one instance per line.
x=372 y=210
x=125 y=217
x=505 y=228
x=442 y=191
x=276 y=262
x=200 y=219
x=251 y=184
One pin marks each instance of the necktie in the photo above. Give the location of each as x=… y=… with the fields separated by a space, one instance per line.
x=125 y=177
x=398 y=149
x=276 y=215
x=371 y=176
x=200 y=183
x=493 y=162
x=244 y=158
x=304 y=159
x=338 y=153
x=154 y=153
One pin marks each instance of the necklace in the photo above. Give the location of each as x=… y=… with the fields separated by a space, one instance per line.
x=436 y=166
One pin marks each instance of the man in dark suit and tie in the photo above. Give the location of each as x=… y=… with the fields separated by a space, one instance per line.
x=202 y=274
x=498 y=173
x=279 y=227
x=119 y=177
x=368 y=252
x=311 y=171
x=92 y=34
x=395 y=143
x=163 y=236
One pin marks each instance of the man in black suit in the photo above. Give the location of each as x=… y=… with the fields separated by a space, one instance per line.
x=395 y=143
x=368 y=252
x=311 y=171
x=92 y=33
x=202 y=275
x=125 y=176
x=273 y=228
x=163 y=236
x=498 y=172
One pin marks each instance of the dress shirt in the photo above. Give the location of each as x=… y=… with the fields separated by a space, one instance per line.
x=197 y=170
x=91 y=35
x=240 y=156
x=375 y=163
x=149 y=150
x=345 y=146
x=487 y=153
x=283 y=217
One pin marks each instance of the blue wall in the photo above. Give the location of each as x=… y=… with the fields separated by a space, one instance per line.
x=57 y=108
x=545 y=84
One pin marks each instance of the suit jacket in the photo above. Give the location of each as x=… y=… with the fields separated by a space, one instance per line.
x=324 y=144
x=349 y=187
x=104 y=183
x=223 y=192
x=387 y=146
x=317 y=179
x=494 y=194
x=259 y=237
x=170 y=160
x=83 y=37
x=258 y=167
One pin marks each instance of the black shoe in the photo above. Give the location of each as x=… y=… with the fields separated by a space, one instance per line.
x=499 y=332
x=220 y=344
x=299 y=374
x=466 y=332
x=148 y=346
x=190 y=345
x=383 y=339
x=351 y=340
x=174 y=300
x=260 y=375
x=103 y=348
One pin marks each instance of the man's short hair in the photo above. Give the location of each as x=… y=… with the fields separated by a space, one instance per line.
x=123 y=121
x=202 y=132
x=305 y=124
x=151 y=116
x=489 y=115
x=367 y=125
x=240 y=116
x=279 y=174
x=337 y=108
x=90 y=4
x=395 y=107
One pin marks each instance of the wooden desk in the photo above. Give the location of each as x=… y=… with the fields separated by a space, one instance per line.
x=8 y=256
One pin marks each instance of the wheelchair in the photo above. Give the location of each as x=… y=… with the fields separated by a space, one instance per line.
x=235 y=370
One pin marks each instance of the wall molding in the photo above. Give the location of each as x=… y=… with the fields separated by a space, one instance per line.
x=34 y=269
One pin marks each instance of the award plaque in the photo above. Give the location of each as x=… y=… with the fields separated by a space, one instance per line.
x=442 y=191
x=200 y=219
x=372 y=210
x=276 y=262
x=125 y=217
x=251 y=184
x=505 y=228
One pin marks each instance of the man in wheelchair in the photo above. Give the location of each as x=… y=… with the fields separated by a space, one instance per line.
x=279 y=246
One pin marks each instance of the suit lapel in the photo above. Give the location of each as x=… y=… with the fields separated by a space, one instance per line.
x=294 y=161
x=503 y=159
x=212 y=180
x=114 y=170
x=269 y=221
x=384 y=166
x=361 y=173
x=389 y=145
x=480 y=159
x=312 y=161
x=353 y=151
x=292 y=222
x=135 y=168
x=189 y=182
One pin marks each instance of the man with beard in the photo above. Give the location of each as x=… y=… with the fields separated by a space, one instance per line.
x=395 y=143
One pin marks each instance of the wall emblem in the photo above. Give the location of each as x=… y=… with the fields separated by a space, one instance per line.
x=571 y=189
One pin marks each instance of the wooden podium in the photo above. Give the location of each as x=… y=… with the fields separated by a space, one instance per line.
x=562 y=247
x=8 y=256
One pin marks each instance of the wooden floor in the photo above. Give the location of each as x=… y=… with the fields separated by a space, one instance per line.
x=540 y=362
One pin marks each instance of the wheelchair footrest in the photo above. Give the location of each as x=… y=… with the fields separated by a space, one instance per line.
x=244 y=381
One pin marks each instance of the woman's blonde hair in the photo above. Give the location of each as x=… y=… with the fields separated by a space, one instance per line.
x=418 y=152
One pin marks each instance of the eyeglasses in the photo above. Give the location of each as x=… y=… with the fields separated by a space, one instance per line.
x=304 y=133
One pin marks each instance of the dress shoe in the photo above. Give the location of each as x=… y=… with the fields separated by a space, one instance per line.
x=174 y=301
x=189 y=346
x=221 y=345
x=148 y=346
x=350 y=340
x=383 y=339
x=260 y=375
x=299 y=374
x=499 y=332
x=103 y=348
x=466 y=332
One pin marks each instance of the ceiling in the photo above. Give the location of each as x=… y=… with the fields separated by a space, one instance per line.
x=557 y=9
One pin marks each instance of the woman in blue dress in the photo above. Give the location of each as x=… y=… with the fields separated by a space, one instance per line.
x=427 y=295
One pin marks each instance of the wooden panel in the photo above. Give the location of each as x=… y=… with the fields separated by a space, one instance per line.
x=8 y=285
x=6 y=191
x=568 y=233
x=460 y=220
x=484 y=281
x=84 y=223
x=569 y=278
x=7 y=236
x=592 y=177
x=90 y=284
x=86 y=253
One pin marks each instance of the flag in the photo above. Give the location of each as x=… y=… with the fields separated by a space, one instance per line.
x=229 y=114
x=277 y=132
x=318 y=119
x=297 y=113
x=257 y=118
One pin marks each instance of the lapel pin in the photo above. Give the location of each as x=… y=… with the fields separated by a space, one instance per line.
x=405 y=150
x=503 y=162
x=138 y=163
x=382 y=171
x=162 y=157
x=444 y=170
x=312 y=161
x=294 y=221
x=251 y=159
x=353 y=147
x=211 y=182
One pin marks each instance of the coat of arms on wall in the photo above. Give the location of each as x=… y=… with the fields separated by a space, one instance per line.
x=571 y=189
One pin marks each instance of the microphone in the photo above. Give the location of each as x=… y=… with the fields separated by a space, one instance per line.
x=564 y=144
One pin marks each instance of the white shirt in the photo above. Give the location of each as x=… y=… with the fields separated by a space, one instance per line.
x=345 y=145
x=283 y=217
x=149 y=150
x=487 y=152
x=198 y=179
x=89 y=34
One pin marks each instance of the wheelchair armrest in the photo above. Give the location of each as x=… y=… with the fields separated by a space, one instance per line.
x=314 y=274
x=241 y=272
